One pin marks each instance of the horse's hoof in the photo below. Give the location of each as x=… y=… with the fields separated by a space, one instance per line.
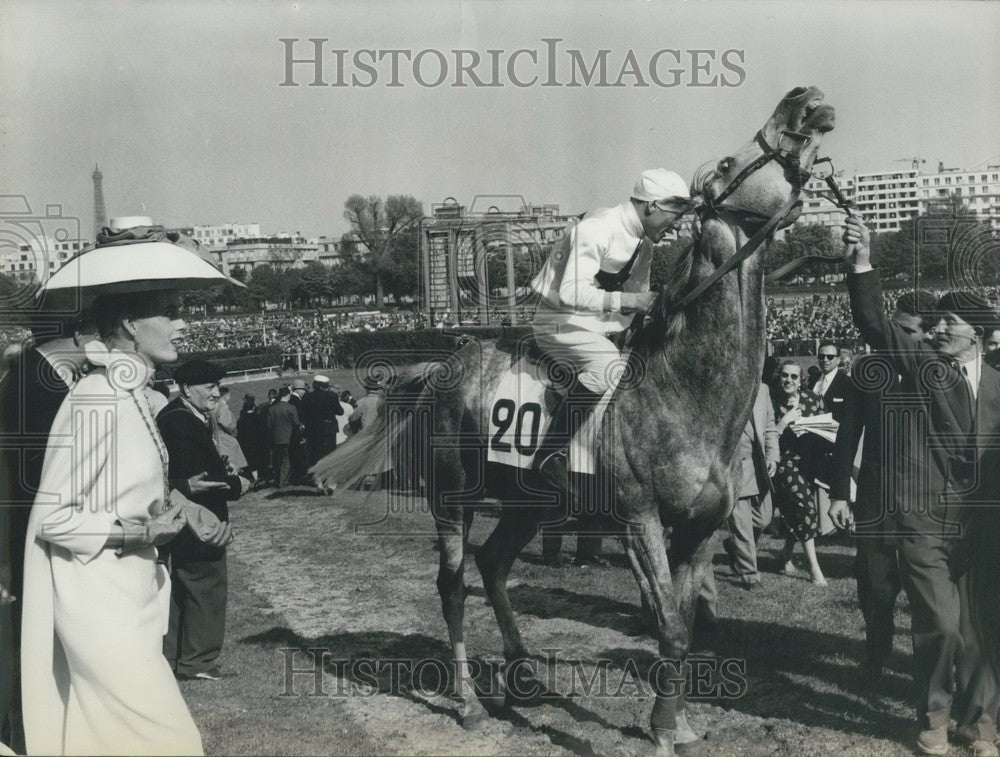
x=683 y=734
x=663 y=743
x=474 y=718
x=697 y=748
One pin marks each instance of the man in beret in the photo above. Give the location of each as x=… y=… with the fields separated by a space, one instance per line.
x=319 y=411
x=945 y=467
x=198 y=569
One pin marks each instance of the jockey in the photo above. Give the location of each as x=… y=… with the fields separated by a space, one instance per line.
x=591 y=283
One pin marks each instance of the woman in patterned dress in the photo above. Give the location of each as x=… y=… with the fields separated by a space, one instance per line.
x=794 y=487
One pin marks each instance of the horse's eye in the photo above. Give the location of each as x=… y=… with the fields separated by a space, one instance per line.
x=724 y=165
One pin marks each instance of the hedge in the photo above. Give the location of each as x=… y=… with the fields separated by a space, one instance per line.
x=413 y=346
x=403 y=346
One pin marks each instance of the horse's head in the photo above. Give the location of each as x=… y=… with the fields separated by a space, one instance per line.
x=760 y=177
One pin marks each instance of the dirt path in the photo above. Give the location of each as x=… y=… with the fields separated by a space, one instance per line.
x=303 y=578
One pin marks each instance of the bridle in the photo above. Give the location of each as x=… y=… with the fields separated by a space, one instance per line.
x=787 y=153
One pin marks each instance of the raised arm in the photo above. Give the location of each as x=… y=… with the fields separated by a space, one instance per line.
x=867 y=307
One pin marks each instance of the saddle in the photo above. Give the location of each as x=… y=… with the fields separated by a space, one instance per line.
x=520 y=409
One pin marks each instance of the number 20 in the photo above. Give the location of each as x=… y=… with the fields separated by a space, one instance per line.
x=503 y=417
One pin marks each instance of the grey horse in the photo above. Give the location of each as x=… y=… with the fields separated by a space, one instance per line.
x=692 y=376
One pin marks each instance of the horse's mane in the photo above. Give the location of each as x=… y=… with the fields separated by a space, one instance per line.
x=667 y=321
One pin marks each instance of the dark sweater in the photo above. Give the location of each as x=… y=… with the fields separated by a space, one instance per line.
x=192 y=451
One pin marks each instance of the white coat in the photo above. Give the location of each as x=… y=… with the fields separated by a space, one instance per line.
x=94 y=679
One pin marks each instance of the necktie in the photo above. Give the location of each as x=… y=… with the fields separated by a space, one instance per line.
x=965 y=389
x=972 y=386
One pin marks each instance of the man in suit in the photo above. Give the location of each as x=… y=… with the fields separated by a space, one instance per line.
x=876 y=568
x=321 y=408
x=270 y=475
x=199 y=580
x=833 y=385
x=282 y=421
x=759 y=455
x=297 y=454
x=945 y=465
x=991 y=348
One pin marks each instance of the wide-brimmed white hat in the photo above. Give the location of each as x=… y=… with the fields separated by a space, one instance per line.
x=658 y=184
x=147 y=266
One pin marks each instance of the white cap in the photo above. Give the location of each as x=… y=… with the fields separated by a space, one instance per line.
x=659 y=184
x=129 y=222
x=321 y=379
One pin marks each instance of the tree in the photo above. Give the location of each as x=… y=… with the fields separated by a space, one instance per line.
x=401 y=276
x=313 y=284
x=352 y=277
x=9 y=286
x=893 y=253
x=379 y=226
x=268 y=285
x=812 y=239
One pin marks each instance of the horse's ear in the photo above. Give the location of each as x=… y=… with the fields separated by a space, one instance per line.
x=704 y=175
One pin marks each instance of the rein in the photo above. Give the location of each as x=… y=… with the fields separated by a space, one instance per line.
x=788 y=159
x=841 y=202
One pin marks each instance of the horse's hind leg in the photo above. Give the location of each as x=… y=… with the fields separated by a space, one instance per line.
x=516 y=528
x=451 y=527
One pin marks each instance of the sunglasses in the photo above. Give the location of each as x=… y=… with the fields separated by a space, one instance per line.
x=827 y=357
x=790 y=375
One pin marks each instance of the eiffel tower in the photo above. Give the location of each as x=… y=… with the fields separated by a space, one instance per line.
x=100 y=217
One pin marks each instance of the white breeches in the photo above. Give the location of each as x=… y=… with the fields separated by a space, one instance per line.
x=593 y=356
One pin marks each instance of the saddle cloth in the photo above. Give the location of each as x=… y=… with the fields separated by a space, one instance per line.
x=520 y=415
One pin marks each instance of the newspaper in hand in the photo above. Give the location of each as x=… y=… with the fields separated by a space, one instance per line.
x=823 y=425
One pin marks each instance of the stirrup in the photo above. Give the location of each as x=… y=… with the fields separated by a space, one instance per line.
x=555 y=468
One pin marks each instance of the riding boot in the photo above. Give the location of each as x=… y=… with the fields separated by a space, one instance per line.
x=552 y=457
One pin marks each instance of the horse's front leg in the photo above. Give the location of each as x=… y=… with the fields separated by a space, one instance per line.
x=648 y=557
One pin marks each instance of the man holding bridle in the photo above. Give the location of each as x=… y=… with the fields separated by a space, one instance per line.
x=945 y=469
x=592 y=283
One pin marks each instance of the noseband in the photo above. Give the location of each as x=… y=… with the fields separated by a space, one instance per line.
x=788 y=158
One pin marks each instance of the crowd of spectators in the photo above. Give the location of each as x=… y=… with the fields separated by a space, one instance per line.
x=293 y=332
x=794 y=325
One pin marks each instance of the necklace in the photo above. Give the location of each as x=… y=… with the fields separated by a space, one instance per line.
x=147 y=418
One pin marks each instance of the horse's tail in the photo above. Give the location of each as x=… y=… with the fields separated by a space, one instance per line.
x=373 y=449
x=984 y=582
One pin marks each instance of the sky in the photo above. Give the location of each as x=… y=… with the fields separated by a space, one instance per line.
x=180 y=102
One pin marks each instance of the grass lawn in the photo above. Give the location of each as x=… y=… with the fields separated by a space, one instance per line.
x=354 y=578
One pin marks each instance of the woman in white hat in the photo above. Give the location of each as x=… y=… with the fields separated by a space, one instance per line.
x=94 y=678
x=594 y=279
